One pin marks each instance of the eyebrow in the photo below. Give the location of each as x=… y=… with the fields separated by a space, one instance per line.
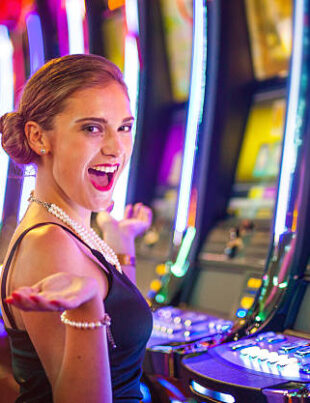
x=102 y=120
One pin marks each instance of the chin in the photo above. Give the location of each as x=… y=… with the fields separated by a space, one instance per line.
x=100 y=205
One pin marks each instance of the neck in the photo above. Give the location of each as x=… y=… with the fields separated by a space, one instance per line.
x=46 y=192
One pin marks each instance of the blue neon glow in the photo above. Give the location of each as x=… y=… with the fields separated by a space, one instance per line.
x=172 y=388
x=36 y=53
x=75 y=15
x=195 y=108
x=292 y=124
x=6 y=100
x=241 y=313
x=2 y=329
x=145 y=390
x=131 y=77
x=29 y=183
x=218 y=396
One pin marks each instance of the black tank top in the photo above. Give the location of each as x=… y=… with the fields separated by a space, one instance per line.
x=131 y=328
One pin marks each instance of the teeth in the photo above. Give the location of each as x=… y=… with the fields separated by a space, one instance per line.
x=106 y=169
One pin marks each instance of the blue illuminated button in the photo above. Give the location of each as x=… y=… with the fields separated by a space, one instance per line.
x=241 y=313
x=243 y=344
x=265 y=336
x=276 y=339
x=303 y=352
x=291 y=347
x=305 y=369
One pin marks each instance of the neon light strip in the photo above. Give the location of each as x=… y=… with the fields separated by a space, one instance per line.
x=131 y=77
x=29 y=184
x=219 y=396
x=180 y=267
x=196 y=99
x=6 y=100
x=36 y=52
x=35 y=40
x=289 y=147
x=75 y=10
x=132 y=16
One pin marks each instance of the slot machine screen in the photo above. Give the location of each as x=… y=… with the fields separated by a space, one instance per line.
x=254 y=190
x=270 y=29
x=178 y=25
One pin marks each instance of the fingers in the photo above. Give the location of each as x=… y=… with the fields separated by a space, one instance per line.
x=55 y=293
x=143 y=213
x=138 y=210
x=128 y=211
x=110 y=208
x=27 y=299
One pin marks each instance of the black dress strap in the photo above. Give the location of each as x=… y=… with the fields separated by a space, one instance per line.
x=9 y=261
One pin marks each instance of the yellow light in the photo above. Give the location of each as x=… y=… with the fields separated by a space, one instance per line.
x=155 y=285
x=256 y=192
x=161 y=269
x=114 y=4
x=247 y=302
x=254 y=282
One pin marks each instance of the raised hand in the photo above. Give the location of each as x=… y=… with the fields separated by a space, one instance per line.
x=137 y=219
x=55 y=293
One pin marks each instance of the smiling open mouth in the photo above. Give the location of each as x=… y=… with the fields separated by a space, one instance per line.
x=102 y=176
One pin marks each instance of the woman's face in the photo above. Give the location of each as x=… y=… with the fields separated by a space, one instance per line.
x=90 y=144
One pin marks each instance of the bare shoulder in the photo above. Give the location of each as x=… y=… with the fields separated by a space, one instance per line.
x=47 y=250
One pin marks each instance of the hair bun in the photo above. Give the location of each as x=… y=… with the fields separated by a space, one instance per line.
x=13 y=139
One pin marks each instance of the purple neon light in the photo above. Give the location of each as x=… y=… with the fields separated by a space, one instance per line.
x=36 y=53
x=35 y=40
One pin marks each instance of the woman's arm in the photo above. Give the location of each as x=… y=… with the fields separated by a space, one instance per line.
x=76 y=361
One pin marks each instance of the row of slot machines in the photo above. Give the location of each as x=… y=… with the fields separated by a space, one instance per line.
x=235 y=327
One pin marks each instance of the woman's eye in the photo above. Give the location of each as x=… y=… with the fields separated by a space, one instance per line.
x=92 y=129
x=126 y=128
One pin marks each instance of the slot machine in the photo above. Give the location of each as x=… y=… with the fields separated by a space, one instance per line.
x=239 y=195
x=266 y=354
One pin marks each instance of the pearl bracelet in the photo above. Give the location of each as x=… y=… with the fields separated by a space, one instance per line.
x=105 y=321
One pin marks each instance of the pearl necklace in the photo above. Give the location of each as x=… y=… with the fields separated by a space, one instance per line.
x=88 y=236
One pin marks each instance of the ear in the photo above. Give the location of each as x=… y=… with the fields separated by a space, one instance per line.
x=37 y=138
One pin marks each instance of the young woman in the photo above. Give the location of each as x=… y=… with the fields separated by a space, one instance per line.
x=77 y=324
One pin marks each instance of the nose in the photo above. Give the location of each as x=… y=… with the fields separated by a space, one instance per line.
x=112 y=144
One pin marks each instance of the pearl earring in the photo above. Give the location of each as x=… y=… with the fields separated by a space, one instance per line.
x=42 y=151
